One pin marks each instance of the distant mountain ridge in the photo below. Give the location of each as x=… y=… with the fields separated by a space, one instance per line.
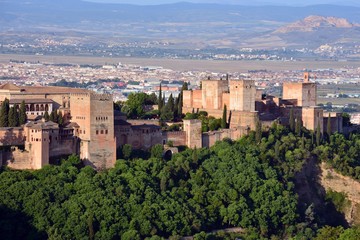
x=312 y=23
x=208 y=25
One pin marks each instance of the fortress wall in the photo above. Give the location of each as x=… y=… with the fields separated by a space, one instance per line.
x=309 y=94
x=226 y=100
x=336 y=122
x=12 y=136
x=292 y=91
x=311 y=117
x=197 y=101
x=193 y=133
x=16 y=159
x=187 y=98
x=64 y=147
x=178 y=138
x=243 y=119
x=210 y=138
x=144 y=121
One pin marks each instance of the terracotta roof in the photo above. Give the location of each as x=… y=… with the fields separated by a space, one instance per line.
x=72 y=125
x=42 y=125
x=121 y=122
x=41 y=89
x=35 y=100
x=10 y=86
x=32 y=89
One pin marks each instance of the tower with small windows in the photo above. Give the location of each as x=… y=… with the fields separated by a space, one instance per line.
x=94 y=115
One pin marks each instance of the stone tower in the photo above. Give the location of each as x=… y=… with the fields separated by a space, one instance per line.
x=94 y=115
x=212 y=93
x=304 y=92
x=193 y=133
x=242 y=95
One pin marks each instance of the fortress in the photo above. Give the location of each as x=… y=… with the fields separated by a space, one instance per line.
x=246 y=105
x=92 y=129
x=88 y=129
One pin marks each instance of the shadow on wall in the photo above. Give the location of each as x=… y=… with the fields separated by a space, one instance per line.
x=11 y=136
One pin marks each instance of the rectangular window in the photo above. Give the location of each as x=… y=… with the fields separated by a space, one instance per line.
x=97 y=132
x=106 y=131
x=102 y=131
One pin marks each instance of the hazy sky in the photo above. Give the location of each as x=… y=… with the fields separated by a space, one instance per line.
x=240 y=2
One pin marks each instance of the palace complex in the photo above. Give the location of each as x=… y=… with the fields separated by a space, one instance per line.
x=92 y=130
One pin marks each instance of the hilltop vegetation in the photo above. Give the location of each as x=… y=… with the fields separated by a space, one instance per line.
x=247 y=183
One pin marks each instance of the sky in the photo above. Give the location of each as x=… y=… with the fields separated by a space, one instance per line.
x=239 y=2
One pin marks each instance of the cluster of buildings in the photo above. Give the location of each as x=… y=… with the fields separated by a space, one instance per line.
x=94 y=131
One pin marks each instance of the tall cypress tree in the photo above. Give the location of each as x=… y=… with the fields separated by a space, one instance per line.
x=47 y=116
x=171 y=103
x=298 y=126
x=56 y=117
x=60 y=119
x=223 y=120
x=4 y=113
x=52 y=117
x=258 y=131
x=292 y=120
x=277 y=150
x=16 y=116
x=11 y=117
x=176 y=105
x=184 y=86
x=328 y=127
x=22 y=113
x=160 y=101
x=318 y=135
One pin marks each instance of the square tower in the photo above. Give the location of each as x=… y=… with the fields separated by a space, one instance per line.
x=212 y=93
x=193 y=133
x=94 y=115
x=303 y=92
x=242 y=95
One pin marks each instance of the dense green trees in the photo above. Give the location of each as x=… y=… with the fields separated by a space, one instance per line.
x=245 y=183
x=12 y=116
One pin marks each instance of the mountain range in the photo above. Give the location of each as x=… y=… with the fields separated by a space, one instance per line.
x=218 y=25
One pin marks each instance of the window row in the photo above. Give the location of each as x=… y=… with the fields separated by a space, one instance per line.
x=101 y=131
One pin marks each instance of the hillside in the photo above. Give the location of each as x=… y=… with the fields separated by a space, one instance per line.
x=266 y=183
x=333 y=181
x=314 y=31
x=314 y=23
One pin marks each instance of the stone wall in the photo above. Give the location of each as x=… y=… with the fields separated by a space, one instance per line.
x=243 y=119
x=193 y=133
x=210 y=138
x=12 y=136
x=144 y=121
x=242 y=95
x=336 y=122
x=178 y=138
x=311 y=117
x=16 y=158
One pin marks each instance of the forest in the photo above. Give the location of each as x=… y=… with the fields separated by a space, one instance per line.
x=249 y=184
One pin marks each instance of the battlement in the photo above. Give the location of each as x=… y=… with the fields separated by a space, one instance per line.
x=101 y=97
